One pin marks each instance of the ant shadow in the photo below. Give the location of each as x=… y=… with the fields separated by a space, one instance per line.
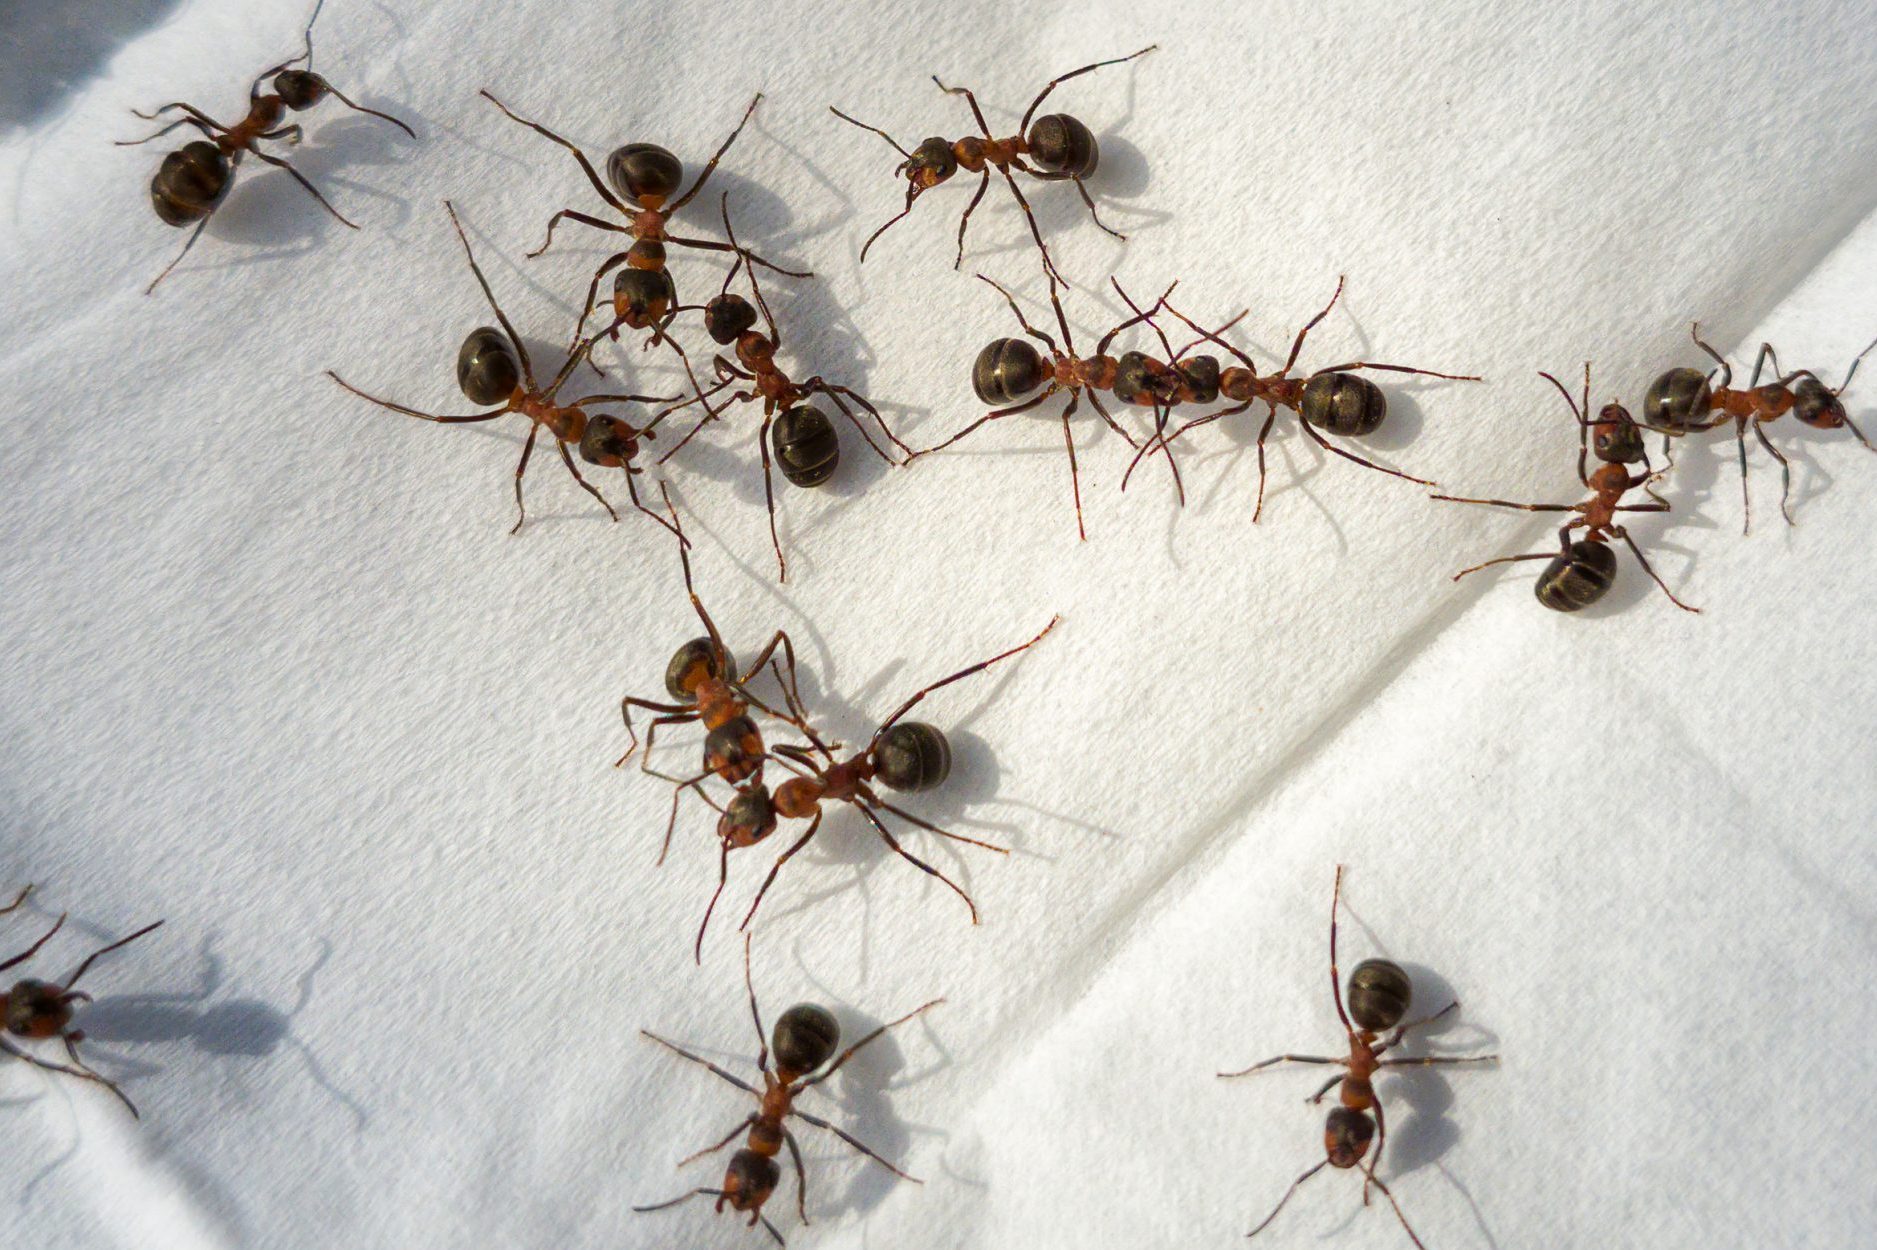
x=59 y=45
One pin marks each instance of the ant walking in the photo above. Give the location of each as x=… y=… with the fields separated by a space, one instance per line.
x=1378 y=997
x=804 y=1039
x=42 y=1010
x=1680 y=401
x=492 y=367
x=193 y=180
x=1582 y=571
x=1059 y=148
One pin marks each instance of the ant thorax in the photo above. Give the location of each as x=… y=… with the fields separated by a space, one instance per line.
x=1096 y=372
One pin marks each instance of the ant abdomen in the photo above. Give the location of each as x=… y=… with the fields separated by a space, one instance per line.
x=1343 y=403
x=727 y=317
x=299 y=88
x=608 y=442
x=1616 y=438
x=912 y=756
x=804 y=1038
x=692 y=664
x=1007 y=370
x=190 y=182
x=1816 y=404
x=486 y=367
x=1346 y=1137
x=642 y=296
x=748 y=818
x=1677 y=401
x=805 y=446
x=1578 y=579
x=1378 y=995
x=644 y=171
x=1062 y=147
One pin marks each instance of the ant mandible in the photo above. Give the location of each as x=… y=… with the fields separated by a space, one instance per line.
x=644 y=176
x=804 y=1039
x=1679 y=401
x=193 y=180
x=1379 y=994
x=1008 y=369
x=1335 y=398
x=1059 y=148
x=492 y=367
x=801 y=437
x=1582 y=571
x=41 y=1010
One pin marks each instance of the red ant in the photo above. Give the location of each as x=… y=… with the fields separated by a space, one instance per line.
x=1582 y=571
x=1058 y=147
x=1379 y=994
x=41 y=1010
x=804 y=443
x=193 y=180
x=493 y=368
x=1335 y=398
x=1680 y=400
x=1008 y=369
x=804 y=1039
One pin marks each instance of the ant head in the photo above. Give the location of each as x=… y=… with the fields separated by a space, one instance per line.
x=486 y=366
x=1346 y=1137
x=1140 y=379
x=644 y=173
x=1062 y=147
x=35 y=1009
x=608 y=442
x=642 y=296
x=1610 y=477
x=300 y=88
x=734 y=749
x=696 y=662
x=1817 y=405
x=1007 y=370
x=804 y=1038
x=1201 y=376
x=912 y=755
x=1378 y=995
x=727 y=317
x=1677 y=400
x=190 y=182
x=1577 y=578
x=749 y=1180
x=748 y=818
x=931 y=163
x=798 y=798
x=806 y=448
x=1615 y=437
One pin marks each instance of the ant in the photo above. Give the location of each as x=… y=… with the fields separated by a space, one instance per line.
x=1009 y=368
x=643 y=176
x=492 y=367
x=804 y=1039
x=1582 y=571
x=908 y=756
x=1333 y=399
x=1058 y=147
x=1378 y=997
x=193 y=180
x=1680 y=400
x=801 y=437
x=40 y=1010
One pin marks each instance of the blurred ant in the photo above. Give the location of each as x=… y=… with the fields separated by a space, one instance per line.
x=1334 y=398
x=643 y=177
x=1582 y=571
x=908 y=756
x=493 y=368
x=193 y=180
x=1680 y=400
x=41 y=1010
x=1008 y=369
x=802 y=438
x=1058 y=147
x=805 y=1038
x=1379 y=995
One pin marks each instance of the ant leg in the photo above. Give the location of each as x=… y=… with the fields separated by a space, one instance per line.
x=1075 y=476
x=586 y=166
x=920 y=864
x=1401 y=1031
x=1336 y=902
x=583 y=218
x=741 y=397
x=412 y=412
x=711 y=168
x=987 y=418
x=17 y=901
x=1023 y=321
x=1049 y=265
x=910 y=819
x=1024 y=125
x=970 y=99
x=1286 y=1198
x=1264 y=432
x=723 y=877
x=1433 y=1060
x=1350 y=366
x=521 y=350
x=912 y=193
x=801 y=1176
x=290 y=135
x=1328 y=1085
x=709 y=245
x=193 y=236
x=1094 y=401
x=660 y=1206
x=85 y=1070
x=984 y=184
x=1727 y=371
x=593 y=289
x=336 y=94
x=102 y=951
x=685 y=714
x=749 y=983
x=835 y=392
x=671 y=822
x=584 y=484
x=1276 y=1059
x=632 y=491
x=182 y=121
x=1746 y=501
x=1506 y=503
x=1540 y=555
x=82 y=1073
x=1643 y=560
x=818 y=1122
x=1297 y=344
x=1093 y=215
x=310 y=188
x=962 y=673
x=855 y=1049
x=1326 y=445
x=1785 y=471
x=711 y=1150
x=208 y=124
x=1405 y=1226
x=35 y=948
x=521 y=467
x=678 y=1050
x=769 y=499
x=814 y=825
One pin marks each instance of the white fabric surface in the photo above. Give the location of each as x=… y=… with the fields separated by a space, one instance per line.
x=274 y=669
